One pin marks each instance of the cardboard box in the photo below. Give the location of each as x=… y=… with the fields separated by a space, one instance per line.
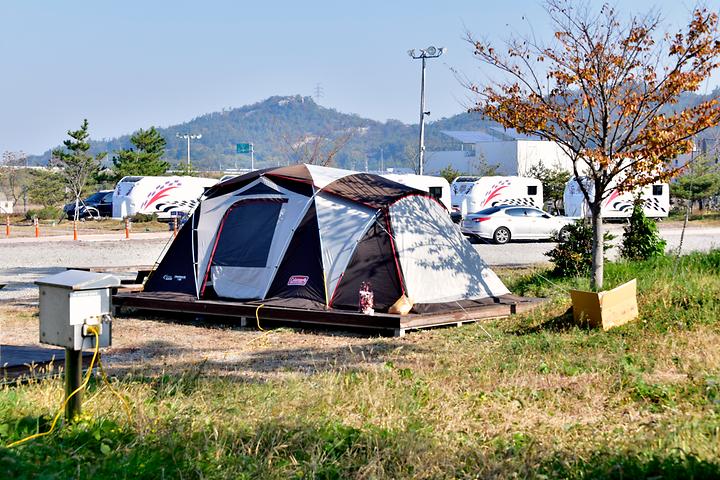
x=608 y=309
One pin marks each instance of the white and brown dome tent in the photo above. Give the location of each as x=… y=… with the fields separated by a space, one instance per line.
x=309 y=236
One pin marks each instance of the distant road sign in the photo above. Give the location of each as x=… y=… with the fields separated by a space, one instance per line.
x=244 y=147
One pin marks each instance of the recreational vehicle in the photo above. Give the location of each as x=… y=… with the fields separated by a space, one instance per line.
x=438 y=187
x=164 y=196
x=656 y=200
x=472 y=194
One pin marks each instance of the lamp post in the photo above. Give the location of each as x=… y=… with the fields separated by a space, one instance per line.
x=188 y=137
x=429 y=52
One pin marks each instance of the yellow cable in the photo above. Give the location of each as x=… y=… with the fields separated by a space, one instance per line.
x=94 y=331
x=126 y=404
x=257 y=316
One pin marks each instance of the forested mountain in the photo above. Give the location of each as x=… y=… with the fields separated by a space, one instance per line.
x=279 y=125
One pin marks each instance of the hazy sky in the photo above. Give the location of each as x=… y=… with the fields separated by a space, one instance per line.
x=127 y=64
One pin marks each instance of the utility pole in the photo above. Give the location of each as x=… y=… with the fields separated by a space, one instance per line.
x=429 y=52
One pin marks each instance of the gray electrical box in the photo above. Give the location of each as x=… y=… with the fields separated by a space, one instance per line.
x=70 y=302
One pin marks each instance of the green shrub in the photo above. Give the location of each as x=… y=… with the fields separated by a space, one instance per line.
x=641 y=239
x=45 y=213
x=573 y=254
x=143 y=218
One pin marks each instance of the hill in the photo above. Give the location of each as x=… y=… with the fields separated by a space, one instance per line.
x=278 y=123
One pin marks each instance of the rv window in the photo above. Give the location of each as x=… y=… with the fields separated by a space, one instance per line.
x=657 y=190
x=436 y=192
x=532 y=189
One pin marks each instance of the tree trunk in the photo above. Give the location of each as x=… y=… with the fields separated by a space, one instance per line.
x=598 y=254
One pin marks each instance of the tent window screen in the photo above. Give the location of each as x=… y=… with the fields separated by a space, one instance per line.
x=247 y=233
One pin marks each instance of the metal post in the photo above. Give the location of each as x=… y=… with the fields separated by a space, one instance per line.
x=252 y=156
x=73 y=378
x=188 y=150
x=422 y=119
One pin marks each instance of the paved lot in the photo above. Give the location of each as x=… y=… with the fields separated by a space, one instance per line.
x=23 y=260
x=531 y=252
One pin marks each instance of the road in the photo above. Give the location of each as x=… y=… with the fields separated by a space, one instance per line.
x=531 y=252
x=26 y=259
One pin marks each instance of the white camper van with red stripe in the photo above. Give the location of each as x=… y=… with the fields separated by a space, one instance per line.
x=164 y=196
x=655 y=198
x=472 y=194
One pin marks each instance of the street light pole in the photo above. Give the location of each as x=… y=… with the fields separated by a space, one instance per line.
x=188 y=137
x=422 y=119
x=430 y=52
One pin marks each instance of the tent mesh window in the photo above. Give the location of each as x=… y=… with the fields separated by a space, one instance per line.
x=247 y=233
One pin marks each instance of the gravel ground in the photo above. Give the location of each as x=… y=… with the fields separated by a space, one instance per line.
x=26 y=259
x=24 y=262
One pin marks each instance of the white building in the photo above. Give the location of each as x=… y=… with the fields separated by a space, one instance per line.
x=512 y=153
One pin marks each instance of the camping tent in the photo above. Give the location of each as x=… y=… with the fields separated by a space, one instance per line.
x=309 y=236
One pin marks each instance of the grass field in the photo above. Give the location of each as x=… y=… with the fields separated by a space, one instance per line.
x=527 y=397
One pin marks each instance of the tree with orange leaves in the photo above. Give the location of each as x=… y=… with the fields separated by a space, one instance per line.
x=606 y=91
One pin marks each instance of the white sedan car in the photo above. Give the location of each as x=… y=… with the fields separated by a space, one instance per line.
x=506 y=222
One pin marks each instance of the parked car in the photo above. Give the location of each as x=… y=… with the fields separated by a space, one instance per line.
x=97 y=205
x=505 y=222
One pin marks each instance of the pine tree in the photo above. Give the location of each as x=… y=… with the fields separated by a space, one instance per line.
x=145 y=158
x=77 y=165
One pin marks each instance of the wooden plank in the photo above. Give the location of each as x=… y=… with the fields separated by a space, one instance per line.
x=477 y=313
x=110 y=269
x=23 y=360
x=148 y=301
x=172 y=302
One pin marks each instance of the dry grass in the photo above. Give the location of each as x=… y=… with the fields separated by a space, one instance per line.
x=25 y=228
x=528 y=396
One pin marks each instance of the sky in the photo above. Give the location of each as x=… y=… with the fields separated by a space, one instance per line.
x=129 y=64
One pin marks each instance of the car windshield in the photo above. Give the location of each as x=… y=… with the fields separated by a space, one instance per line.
x=95 y=197
x=488 y=211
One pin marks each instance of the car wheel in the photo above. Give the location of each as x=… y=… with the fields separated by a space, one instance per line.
x=501 y=235
x=93 y=213
x=564 y=234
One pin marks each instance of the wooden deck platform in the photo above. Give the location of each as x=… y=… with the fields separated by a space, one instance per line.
x=33 y=361
x=244 y=313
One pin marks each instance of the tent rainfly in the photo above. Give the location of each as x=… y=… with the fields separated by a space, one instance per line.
x=308 y=236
